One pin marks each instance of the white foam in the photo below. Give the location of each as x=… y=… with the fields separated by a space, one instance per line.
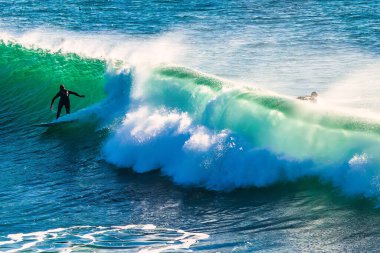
x=192 y=154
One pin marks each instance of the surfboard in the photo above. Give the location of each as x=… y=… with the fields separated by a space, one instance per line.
x=53 y=123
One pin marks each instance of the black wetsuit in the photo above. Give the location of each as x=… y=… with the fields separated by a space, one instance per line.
x=64 y=100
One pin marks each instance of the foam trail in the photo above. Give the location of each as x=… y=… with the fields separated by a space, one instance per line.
x=144 y=238
x=114 y=107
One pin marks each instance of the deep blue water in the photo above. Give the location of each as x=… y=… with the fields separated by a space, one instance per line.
x=176 y=150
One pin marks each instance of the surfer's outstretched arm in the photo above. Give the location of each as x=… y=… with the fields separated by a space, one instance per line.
x=52 y=101
x=76 y=94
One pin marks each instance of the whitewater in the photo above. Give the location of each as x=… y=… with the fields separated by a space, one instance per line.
x=191 y=137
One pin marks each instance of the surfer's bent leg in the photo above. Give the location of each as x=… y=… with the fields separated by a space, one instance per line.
x=67 y=106
x=59 y=109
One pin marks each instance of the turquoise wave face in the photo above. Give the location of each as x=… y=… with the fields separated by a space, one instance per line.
x=30 y=79
x=267 y=120
x=204 y=131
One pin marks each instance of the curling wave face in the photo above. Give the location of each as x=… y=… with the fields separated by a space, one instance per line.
x=205 y=131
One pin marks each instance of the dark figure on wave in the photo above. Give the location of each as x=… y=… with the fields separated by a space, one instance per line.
x=64 y=99
x=312 y=98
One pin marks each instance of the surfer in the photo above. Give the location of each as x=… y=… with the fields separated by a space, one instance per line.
x=64 y=99
x=312 y=98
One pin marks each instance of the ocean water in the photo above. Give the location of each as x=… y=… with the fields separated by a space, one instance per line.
x=190 y=138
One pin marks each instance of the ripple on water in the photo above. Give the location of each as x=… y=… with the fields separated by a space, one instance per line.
x=134 y=238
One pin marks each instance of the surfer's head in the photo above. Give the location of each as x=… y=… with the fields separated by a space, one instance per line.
x=314 y=94
x=61 y=87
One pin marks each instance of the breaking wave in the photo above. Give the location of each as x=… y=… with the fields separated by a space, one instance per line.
x=197 y=128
